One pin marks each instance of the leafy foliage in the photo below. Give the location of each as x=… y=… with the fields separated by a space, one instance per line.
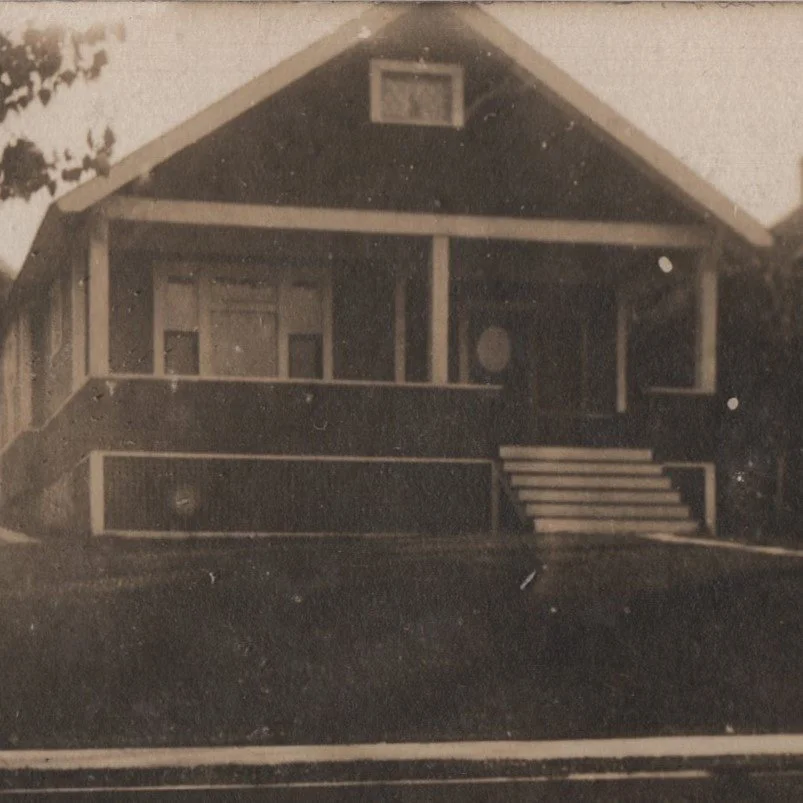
x=33 y=68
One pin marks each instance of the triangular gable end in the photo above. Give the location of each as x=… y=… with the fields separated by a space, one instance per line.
x=652 y=161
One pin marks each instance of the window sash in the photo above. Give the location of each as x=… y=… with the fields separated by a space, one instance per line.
x=243 y=343
x=245 y=318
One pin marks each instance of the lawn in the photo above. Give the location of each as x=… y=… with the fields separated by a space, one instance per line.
x=333 y=639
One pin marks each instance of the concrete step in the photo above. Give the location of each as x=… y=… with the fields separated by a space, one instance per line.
x=582 y=482
x=575 y=453
x=591 y=526
x=608 y=511
x=566 y=467
x=600 y=497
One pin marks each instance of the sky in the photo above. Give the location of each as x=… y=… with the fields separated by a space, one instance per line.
x=718 y=85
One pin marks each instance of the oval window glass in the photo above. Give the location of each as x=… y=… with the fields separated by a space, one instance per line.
x=494 y=349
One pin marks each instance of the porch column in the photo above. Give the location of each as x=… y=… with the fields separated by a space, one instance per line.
x=622 y=338
x=98 y=296
x=439 y=312
x=707 y=320
x=400 y=329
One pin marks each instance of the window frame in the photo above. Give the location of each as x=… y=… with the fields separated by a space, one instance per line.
x=378 y=69
x=281 y=279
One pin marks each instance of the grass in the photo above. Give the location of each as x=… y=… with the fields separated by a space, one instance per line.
x=338 y=640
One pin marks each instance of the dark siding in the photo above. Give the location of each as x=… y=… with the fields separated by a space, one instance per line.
x=417 y=330
x=363 y=321
x=681 y=427
x=517 y=155
x=131 y=298
x=601 y=351
x=252 y=418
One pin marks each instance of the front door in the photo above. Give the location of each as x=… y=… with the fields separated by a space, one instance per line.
x=541 y=358
x=557 y=357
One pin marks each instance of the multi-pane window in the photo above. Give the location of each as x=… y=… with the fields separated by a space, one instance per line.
x=416 y=93
x=243 y=334
x=238 y=322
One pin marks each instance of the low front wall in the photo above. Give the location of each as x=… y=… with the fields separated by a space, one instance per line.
x=169 y=493
x=283 y=418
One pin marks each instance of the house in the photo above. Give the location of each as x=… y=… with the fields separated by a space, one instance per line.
x=412 y=278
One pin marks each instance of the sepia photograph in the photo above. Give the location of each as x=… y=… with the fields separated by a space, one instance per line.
x=401 y=401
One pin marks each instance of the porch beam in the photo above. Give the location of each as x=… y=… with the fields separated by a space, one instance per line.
x=439 y=312
x=410 y=224
x=707 y=319
x=98 y=333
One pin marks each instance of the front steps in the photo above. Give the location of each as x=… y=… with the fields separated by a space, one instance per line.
x=594 y=490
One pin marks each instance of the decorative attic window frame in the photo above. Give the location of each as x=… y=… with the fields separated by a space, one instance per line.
x=412 y=75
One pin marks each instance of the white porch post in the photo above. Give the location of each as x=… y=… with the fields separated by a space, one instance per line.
x=400 y=329
x=707 y=320
x=439 y=312
x=98 y=296
x=622 y=338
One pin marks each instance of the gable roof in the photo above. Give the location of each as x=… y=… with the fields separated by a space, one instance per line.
x=534 y=69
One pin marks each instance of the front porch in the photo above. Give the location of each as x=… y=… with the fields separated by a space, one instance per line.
x=409 y=346
x=583 y=328
x=339 y=339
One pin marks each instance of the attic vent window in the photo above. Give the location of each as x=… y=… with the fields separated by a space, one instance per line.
x=416 y=93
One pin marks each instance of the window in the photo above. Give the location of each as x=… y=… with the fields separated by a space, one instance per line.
x=15 y=380
x=181 y=353
x=56 y=317
x=238 y=321
x=417 y=93
x=242 y=327
x=306 y=356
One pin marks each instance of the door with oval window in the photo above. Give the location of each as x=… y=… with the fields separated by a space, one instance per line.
x=500 y=355
x=539 y=360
